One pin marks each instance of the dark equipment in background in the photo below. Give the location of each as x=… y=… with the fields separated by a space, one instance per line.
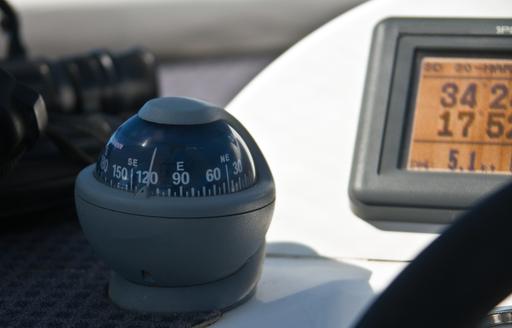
x=22 y=119
x=86 y=97
x=94 y=82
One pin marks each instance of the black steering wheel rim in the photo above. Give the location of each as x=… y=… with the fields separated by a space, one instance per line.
x=458 y=278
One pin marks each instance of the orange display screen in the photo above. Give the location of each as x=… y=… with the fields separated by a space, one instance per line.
x=462 y=118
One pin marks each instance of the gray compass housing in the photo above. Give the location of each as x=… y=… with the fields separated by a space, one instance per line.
x=179 y=254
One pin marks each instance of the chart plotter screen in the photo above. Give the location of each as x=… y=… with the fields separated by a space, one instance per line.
x=462 y=116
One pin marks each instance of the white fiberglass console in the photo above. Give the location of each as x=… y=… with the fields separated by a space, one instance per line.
x=325 y=264
x=304 y=111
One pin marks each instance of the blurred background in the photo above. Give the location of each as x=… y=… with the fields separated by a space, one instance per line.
x=198 y=42
x=173 y=28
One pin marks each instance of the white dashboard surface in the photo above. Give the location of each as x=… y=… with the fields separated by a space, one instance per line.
x=303 y=111
x=311 y=292
x=324 y=265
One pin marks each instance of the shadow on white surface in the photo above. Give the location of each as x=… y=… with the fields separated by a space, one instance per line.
x=304 y=291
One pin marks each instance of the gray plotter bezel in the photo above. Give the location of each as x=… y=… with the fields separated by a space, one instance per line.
x=381 y=190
